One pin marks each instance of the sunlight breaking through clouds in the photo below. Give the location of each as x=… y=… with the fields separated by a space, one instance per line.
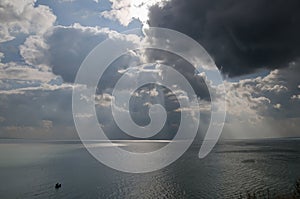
x=125 y=11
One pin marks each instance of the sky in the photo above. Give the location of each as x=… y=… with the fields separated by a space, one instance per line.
x=254 y=43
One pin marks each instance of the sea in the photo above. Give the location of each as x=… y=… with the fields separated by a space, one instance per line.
x=235 y=168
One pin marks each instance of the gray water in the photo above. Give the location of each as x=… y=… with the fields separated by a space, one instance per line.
x=29 y=169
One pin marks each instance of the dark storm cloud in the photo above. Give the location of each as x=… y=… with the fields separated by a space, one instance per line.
x=241 y=36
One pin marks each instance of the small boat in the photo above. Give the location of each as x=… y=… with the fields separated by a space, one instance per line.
x=57 y=185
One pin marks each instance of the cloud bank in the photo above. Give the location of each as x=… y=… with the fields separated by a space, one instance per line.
x=242 y=36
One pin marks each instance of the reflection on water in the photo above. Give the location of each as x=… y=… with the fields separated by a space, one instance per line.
x=31 y=169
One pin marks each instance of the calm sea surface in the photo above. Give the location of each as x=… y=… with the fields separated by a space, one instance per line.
x=29 y=169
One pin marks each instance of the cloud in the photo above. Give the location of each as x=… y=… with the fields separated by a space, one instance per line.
x=241 y=36
x=2 y=119
x=1 y=56
x=41 y=87
x=263 y=94
x=23 y=72
x=34 y=101
x=264 y=106
x=125 y=11
x=295 y=97
x=34 y=109
x=277 y=106
x=71 y=1
x=33 y=50
x=23 y=17
x=120 y=11
x=47 y=124
x=18 y=78
x=64 y=47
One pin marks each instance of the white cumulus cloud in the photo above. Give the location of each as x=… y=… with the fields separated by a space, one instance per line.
x=23 y=17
